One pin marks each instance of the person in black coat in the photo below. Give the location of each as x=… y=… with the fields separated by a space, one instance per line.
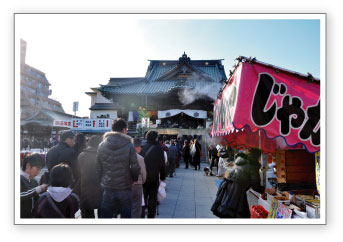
x=79 y=146
x=90 y=189
x=213 y=157
x=186 y=153
x=63 y=153
x=155 y=167
x=197 y=154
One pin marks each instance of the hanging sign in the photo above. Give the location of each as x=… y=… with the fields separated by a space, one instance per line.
x=62 y=123
x=104 y=124
x=91 y=124
x=77 y=124
x=278 y=102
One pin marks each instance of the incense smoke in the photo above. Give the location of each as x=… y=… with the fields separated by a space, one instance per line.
x=199 y=90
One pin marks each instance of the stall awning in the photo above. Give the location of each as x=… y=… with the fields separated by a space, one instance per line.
x=277 y=102
x=172 y=112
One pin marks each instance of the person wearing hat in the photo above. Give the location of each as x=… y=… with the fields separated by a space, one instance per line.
x=63 y=152
x=137 y=188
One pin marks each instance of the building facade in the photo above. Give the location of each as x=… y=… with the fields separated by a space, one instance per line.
x=172 y=94
x=37 y=111
x=34 y=89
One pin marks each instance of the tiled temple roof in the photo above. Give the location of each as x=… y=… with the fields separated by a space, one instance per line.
x=162 y=76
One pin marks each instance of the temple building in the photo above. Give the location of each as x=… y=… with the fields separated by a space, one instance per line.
x=173 y=94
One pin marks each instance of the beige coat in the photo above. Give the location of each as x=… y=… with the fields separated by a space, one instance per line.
x=142 y=175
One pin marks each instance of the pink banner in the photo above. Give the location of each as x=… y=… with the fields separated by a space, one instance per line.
x=278 y=102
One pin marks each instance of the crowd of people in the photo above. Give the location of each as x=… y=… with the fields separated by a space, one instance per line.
x=120 y=176
x=115 y=175
x=37 y=143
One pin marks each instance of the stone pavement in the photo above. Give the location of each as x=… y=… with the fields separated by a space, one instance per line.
x=190 y=194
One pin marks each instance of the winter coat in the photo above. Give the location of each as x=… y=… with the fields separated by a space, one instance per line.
x=66 y=203
x=197 y=151
x=231 y=200
x=186 y=152
x=62 y=153
x=172 y=152
x=29 y=190
x=154 y=163
x=142 y=175
x=117 y=164
x=90 y=189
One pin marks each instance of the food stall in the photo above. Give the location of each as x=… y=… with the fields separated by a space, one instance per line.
x=277 y=111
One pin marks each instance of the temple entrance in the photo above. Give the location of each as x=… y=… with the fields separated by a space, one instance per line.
x=182 y=121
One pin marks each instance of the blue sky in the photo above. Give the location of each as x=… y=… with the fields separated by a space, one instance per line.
x=81 y=51
x=292 y=44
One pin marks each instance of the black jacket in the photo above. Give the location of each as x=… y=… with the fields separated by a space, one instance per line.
x=154 y=163
x=186 y=152
x=117 y=164
x=90 y=189
x=61 y=153
x=198 y=149
x=28 y=196
x=231 y=200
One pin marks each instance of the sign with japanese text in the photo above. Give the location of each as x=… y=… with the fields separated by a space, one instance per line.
x=280 y=103
x=104 y=124
x=62 y=123
x=77 y=124
x=91 y=124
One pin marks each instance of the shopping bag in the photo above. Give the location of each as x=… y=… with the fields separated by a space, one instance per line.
x=161 y=195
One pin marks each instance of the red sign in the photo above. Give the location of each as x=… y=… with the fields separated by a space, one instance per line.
x=278 y=103
x=62 y=123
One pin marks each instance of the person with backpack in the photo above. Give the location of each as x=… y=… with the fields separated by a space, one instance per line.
x=59 y=201
x=29 y=188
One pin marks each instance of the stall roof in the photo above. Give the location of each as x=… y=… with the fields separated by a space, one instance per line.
x=259 y=96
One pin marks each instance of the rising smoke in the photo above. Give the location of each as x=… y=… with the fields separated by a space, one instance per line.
x=199 y=90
